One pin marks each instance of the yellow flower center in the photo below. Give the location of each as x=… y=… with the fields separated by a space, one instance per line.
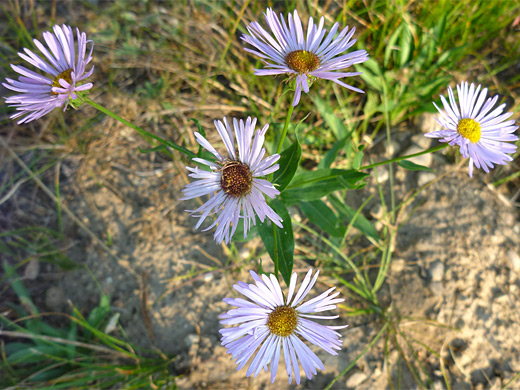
x=235 y=179
x=65 y=75
x=282 y=321
x=302 y=61
x=469 y=129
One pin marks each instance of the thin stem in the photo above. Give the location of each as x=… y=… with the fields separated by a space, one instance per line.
x=353 y=363
x=145 y=134
x=439 y=147
x=388 y=143
x=347 y=259
x=276 y=259
x=282 y=137
x=285 y=128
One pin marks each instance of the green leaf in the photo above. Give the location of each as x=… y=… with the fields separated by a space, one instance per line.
x=331 y=154
x=98 y=314
x=439 y=28
x=19 y=288
x=358 y=160
x=332 y=120
x=279 y=242
x=321 y=215
x=35 y=354
x=360 y=223
x=200 y=129
x=289 y=161
x=151 y=150
x=238 y=236
x=48 y=374
x=413 y=166
x=371 y=74
x=391 y=45
x=431 y=88
x=405 y=45
x=317 y=184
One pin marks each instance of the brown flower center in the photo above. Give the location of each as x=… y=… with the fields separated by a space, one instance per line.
x=235 y=179
x=282 y=321
x=65 y=75
x=302 y=61
x=469 y=129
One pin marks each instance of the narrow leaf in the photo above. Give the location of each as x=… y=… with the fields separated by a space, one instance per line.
x=151 y=150
x=331 y=154
x=317 y=184
x=289 y=161
x=321 y=215
x=391 y=45
x=348 y=213
x=405 y=45
x=279 y=242
x=334 y=122
x=413 y=166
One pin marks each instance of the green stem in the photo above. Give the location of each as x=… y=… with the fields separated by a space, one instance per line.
x=439 y=147
x=353 y=363
x=388 y=143
x=285 y=128
x=145 y=134
x=275 y=252
x=282 y=136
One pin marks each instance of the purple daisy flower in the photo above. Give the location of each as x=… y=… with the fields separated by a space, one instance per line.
x=270 y=322
x=234 y=180
x=286 y=50
x=481 y=134
x=65 y=65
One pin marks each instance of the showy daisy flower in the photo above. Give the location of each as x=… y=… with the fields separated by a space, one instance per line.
x=480 y=133
x=286 y=50
x=271 y=322
x=234 y=180
x=64 y=63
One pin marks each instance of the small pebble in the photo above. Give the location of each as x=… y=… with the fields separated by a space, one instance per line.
x=425 y=177
x=425 y=159
x=356 y=379
x=514 y=258
x=395 y=147
x=421 y=141
x=381 y=174
x=32 y=270
x=436 y=271
x=192 y=339
x=516 y=228
x=55 y=298
x=427 y=123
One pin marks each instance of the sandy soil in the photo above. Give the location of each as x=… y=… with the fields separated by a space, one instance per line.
x=454 y=282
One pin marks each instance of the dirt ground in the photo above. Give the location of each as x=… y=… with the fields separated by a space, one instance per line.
x=454 y=280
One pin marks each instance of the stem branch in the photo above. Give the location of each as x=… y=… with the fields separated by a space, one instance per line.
x=439 y=147
x=285 y=128
x=145 y=134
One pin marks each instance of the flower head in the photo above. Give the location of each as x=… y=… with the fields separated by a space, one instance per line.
x=286 y=50
x=481 y=134
x=64 y=64
x=270 y=322
x=234 y=180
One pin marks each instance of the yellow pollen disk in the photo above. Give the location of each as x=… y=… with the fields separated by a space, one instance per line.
x=282 y=321
x=302 y=61
x=235 y=178
x=469 y=129
x=65 y=75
